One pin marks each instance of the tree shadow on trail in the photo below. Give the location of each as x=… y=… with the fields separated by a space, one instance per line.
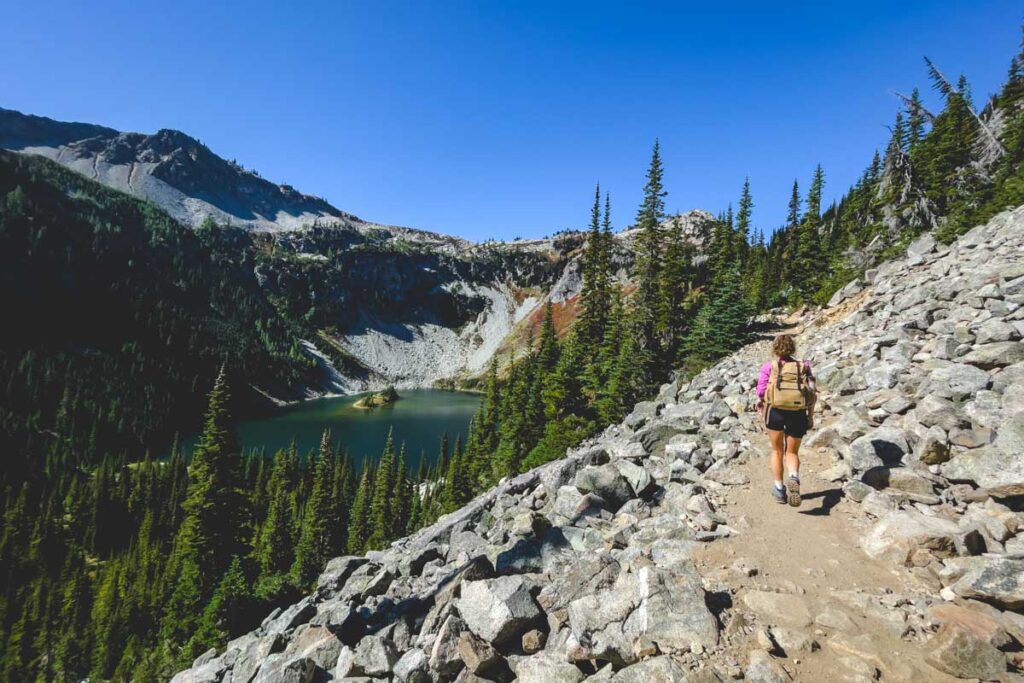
x=829 y=499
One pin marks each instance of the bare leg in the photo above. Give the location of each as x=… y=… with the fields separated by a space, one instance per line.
x=792 y=455
x=777 y=439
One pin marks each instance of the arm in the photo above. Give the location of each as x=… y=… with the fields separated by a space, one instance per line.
x=762 y=380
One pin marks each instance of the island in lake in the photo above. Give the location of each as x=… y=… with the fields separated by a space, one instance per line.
x=380 y=398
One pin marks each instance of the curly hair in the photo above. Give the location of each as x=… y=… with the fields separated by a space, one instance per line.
x=784 y=346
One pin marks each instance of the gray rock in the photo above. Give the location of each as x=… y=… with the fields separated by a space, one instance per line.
x=498 y=610
x=661 y=669
x=639 y=479
x=279 y=669
x=337 y=572
x=899 y=478
x=299 y=613
x=996 y=355
x=545 y=668
x=996 y=331
x=898 y=535
x=444 y=655
x=373 y=656
x=651 y=605
x=940 y=412
x=607 y=482
x=881 y=446
x=412 y=667
x=779 y=608
x=996 y=580
x=764 y=669
x=856 y=490
x=955 y=381
x=999 y=468
x=249 y=659
x=925 y=244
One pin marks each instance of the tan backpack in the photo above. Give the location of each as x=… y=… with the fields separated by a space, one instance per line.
x=788 y=386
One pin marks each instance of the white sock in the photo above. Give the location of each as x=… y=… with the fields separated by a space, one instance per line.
x=778 y=483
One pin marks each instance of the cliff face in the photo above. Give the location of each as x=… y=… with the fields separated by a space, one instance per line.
x=616 y=562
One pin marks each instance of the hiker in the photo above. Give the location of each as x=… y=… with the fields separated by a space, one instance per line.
x=786 y=393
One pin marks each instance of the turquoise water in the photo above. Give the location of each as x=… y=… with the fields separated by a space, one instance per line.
x=418 y=419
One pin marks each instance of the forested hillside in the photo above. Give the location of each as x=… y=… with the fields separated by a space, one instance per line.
x=118 y=565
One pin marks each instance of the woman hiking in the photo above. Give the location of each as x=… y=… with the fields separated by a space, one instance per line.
x=786 y=393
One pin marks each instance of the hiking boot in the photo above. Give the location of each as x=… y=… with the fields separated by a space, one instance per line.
x=779 y=494
x=793 y=490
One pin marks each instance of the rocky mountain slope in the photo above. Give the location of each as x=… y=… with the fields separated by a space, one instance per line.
x=390 y=305
x=650 y=553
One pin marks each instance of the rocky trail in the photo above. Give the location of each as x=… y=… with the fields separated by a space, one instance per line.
x=654 y=551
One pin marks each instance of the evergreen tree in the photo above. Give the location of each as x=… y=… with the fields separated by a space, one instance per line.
x=402 y=495
x=743 y=216
x=314 y=547
x=211 y=532
x=675 y=279
x=648 y=266
x=381 y=505
x=273 y=551
x=227 y=613
x=547 y=353
x=359 y=520
x=722 y=323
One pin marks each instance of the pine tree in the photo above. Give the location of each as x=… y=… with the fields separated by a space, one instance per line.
x=793 y=215
x=915 y=130
x=359 y=520
x=591 y=302
x=402 y=496
x=721 y=325
x=648 y=265
x=314 y=547
x=381 y=503
x=675 y=278
x=211 y=532
x=226 y=614
x=743 y=216
x=273 y=551
x=547 y=354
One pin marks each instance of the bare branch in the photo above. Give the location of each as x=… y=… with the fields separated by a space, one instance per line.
x=914 y=107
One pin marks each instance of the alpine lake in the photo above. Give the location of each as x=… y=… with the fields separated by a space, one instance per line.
x=418 y=419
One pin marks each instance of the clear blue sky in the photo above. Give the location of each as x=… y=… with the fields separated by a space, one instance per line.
x=496 y=119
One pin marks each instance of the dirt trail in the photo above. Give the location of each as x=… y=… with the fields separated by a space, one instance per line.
x=831 y=591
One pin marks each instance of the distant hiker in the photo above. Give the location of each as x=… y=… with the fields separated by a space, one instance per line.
x=787 y=394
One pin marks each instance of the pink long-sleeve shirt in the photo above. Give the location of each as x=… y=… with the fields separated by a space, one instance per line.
x=766 y=372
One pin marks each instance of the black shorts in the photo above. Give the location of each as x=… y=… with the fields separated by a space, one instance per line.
x=792 y=422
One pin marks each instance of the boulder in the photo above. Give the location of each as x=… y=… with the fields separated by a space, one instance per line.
x=498 y=610
x=249 y=659
x=960 y=652
x=899 y=478
x=940 y=412
x=955 y=381
x=999 y=467
x=545 y=668
x=606 y=482
x=661 y=669
x=881 y=446
x=898 y=535
x=764 y=669
x=478 y=655
x=412 y=667
x=639 y=479
x=279 y=669
x=996 y=580
x=444 y=654
x=650 y=605
x=995 y=355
